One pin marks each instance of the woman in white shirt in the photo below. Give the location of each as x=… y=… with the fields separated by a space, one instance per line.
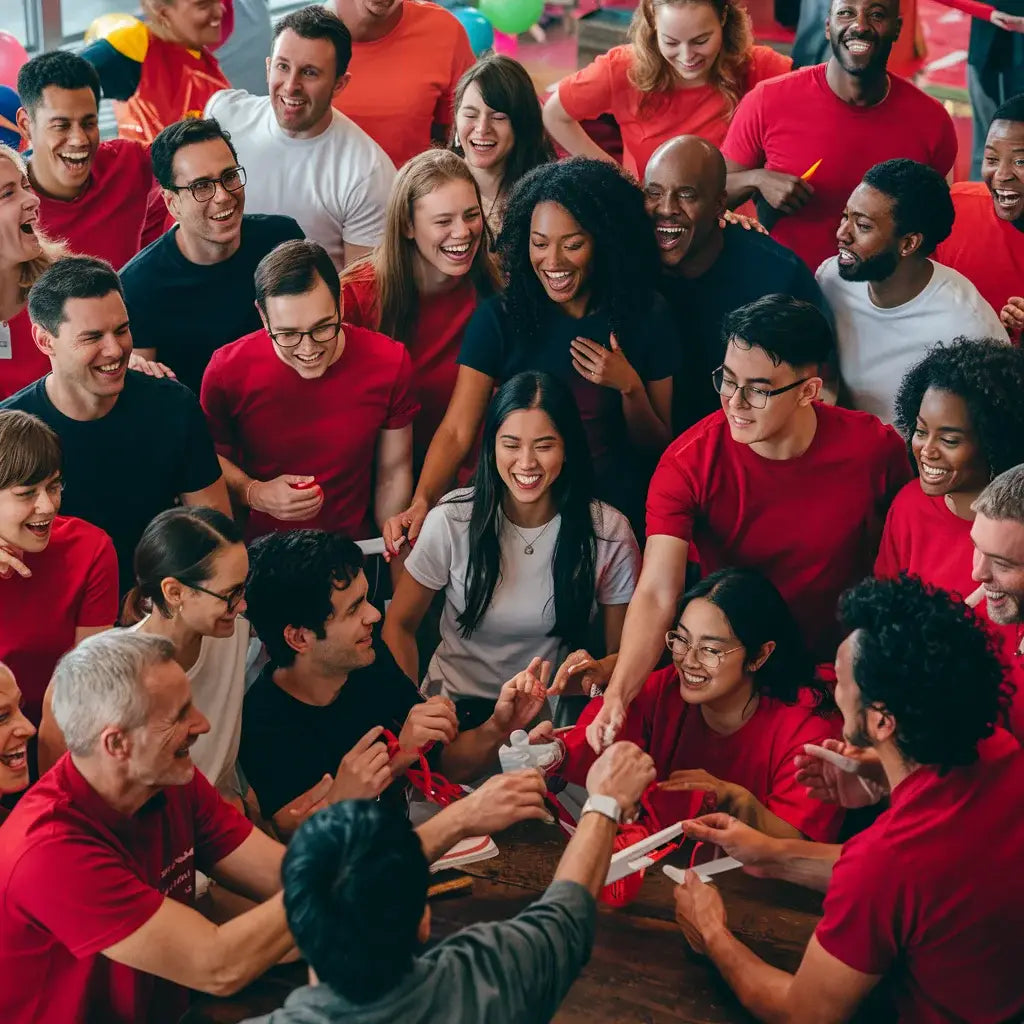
x=525 y=557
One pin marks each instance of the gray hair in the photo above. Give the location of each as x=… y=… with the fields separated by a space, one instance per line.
x=99 y=683
x=1003 y=498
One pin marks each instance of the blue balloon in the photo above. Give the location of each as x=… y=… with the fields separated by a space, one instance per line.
x=9 y=103
x=478 y=28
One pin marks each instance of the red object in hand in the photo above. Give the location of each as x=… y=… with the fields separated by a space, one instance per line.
x=304 y=486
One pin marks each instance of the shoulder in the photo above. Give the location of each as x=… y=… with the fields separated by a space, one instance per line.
x=435 y=17
x=146 y=265
x=618 y=60
x=766 y=62
x=123 y=153
x=266 y=230
x=857 y=428
x=909 y=96
x=360 y=280
x=355 y=141
x=71 y=534
x=828 y=271
x=784 y=87
x=908 y=501
x=31 y=398
x=155 y=393
x=228 y=104
x=967 y=193
x=707 y=433
x=753 y=245
x=455 y=507
x=610 y=524
x=796 y=722
x=240 y=353
x=957 y=289
x=374 y=345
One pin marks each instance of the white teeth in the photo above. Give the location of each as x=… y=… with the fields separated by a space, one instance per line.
x=670 y=231
x=225 y=215
x=932 y=473
x=482 y=144
x=525 y=480
x=16 y=758
x=694 y=680
x=456 y=250
x=308 y=359
x=858 y=47
x=109 y=367
x=558 y=275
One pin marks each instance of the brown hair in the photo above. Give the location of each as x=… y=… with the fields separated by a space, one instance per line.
x=29 y=450
x=292 y=269
x=392 y=261
x=651 y=74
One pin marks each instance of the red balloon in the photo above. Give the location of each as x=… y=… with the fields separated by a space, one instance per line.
x=12 y=57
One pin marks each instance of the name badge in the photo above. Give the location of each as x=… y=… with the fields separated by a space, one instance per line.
x=5 y=341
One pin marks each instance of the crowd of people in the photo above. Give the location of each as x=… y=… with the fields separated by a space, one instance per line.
x=350 y=425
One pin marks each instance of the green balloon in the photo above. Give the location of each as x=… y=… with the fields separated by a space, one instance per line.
x=512 y=16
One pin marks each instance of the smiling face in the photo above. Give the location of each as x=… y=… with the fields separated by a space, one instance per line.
x=27 y=512
x=861 y=33
x=869 y=249
x=19 y=214
x=15 y=732
x=999 y=566
x=64 y=133
x=447 y=225
x=348 y=641
x=562 y=254
x=689 y=38
x=313 y=311
x=485 y=134
x=219 y=220
x=302 y=80
x=848 y=696
x=704 y=677
x=529 y=453
x=1002 y=168
x=193 y=23
x=209 y=615
x=945 y=446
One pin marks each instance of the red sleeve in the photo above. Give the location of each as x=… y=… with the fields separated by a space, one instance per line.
x=898 y=471
x=358 y=301
x=887 y=564
x=744 y=142
x=100 y=602
x=156 y=217
x=220 y=829
x=672 y=499
x=593 y=90
x=767 y=63
x=462 y=60
x=404 y=405
x=945 y=150
x=217 y=409
x=972 y=7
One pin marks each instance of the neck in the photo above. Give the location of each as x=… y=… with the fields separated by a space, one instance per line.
x=429 y=280
x=168 y=36
x=11 y=301
x=123 y=796
x=309 y=686
x=576 y=307
x=794 y=441
x=488 y=180
x=187 y=641
x=731 y=711
x=75 y=403
x=896 y=768
x=960 y=502
x=906 y=282
x=365 y=29
x=857 y=90
x=47 y=186
x=530 y=516
x=697 y=263
x=203 y=252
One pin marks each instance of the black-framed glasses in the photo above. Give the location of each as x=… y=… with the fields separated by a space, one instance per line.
x=321 y=335
x=709 y=657
x=232 y=598
x=756 y=398
x=205 y=189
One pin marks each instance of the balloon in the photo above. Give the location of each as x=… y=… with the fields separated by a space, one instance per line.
x=12 y=56
x=106 y=24
x=512 y=16
x=9 y=103
x=478 y=28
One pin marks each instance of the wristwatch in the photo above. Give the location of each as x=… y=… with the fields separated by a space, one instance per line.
x=606 y=805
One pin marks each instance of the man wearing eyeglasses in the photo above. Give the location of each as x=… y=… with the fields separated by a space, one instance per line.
x=191 y=291
x=312 y=417
x=775 y=481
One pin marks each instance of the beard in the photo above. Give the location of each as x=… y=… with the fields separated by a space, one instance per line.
x=874 y=268
x=1008 y=613
x=877 y=64
x=858 y=736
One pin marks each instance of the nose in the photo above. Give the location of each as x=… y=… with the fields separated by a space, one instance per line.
x=928 y=447
x=843 y=236
x=863 y=22
x=30 y=201
x=22 y=726
x=372 y=615
x=44 y=503
x=200 y=723
x=738 y=400
x=981 y=568
x=77 y=135
x=668 y=204
x=294 y=80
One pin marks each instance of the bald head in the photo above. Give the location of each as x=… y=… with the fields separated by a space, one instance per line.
x=687 y=158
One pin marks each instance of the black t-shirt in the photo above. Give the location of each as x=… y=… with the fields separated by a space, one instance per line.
x=750 y=266
x=288 y=746
x=186 y=311
x=123 y=469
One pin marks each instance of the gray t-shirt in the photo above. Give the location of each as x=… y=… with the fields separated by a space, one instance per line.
x=508 y=972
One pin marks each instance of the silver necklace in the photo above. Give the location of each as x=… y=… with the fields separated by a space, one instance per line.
x=528 y=550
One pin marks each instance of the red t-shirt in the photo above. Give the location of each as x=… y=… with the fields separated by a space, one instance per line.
x=924 y=538
x=440 y=323
x=404 y=83
x=77 y=877
x=758 y=756
x=789 y=123
x=73 y=583
x=932 y=895
x=603 y=87
x=988 y=251
x=107 y=217
x=810 y=524
x=266 y=419
x=21 y=363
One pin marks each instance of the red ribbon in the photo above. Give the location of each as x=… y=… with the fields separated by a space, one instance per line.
x=434 y=786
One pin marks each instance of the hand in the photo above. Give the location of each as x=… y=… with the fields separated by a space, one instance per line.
x=1012 y=314
x=727 y=794
x=785 y=192
x=699 y=911
x=10 y=564
x=502 y=801
x=623 y=771
x=745 y=222
x=829 y=783
x=281 y=499
x=975 y=597
x=522 y=697
x=607 y=724
x=545 y=732
x=306 y=805
x=433 y=721
x=753 y=849
x=364 y=772
x=150 y=367
x=582 y=670
x=605 y=366
x=1010 y=22
x=404 y=527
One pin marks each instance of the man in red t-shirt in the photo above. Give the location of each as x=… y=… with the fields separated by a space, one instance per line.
x=774 y=481
x=803 y=141
x=98 y=197
x=312 y=417
x=927 y=896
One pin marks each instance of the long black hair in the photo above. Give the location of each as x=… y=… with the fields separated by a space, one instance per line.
x=610 y=208
x=757 y=613
x=575 y=559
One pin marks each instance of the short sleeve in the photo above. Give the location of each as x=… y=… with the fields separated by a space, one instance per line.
x=672 y=500
x=362 y=221
x=216 y=408
x=804 y=286
x=947 y=145
x=403 y=405
x=592 y=90
x=219 y=828
x=199 y=460
x=359 y=300
x=619 y=570
x=765 y=63
x=887 y=564
x=213 y=104
x=897 y=465
x=482 y=344
x=100 y=601
x=744 y=142
x=430 y=562
x=462 y=60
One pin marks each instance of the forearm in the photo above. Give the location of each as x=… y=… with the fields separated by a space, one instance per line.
x=741 y=185
x=644 y=427
x=392 y=493
x=648 y=617
x=441 y=832
x=586 y=858
x=761 y=988
x=472 y=753
x=237 y=481
x=573 y=138
x=803 y=862
x=748 y=809
x=401 y=642
x=446 y=453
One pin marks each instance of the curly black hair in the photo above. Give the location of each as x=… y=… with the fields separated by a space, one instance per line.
x=921 y=200
x=922 y=656
x=610 y=208
x=988 y=375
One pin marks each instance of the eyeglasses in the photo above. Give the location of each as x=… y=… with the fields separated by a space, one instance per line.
x=293 y=339
x=206 y=188
x=232 y=598
x=756 y=398
x=709 y=657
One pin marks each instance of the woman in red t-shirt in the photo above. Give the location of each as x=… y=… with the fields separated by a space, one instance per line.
x=684 y=71
x=498 y=130
x=420 y=285
x=15 y=732
x=731 y=712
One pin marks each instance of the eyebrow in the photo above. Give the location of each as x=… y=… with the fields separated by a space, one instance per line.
x=184 y=710
x=716 y=639
x=98 y=333
x=946 y=430
x=750 y=380
x=515 y=437
x=212 y=177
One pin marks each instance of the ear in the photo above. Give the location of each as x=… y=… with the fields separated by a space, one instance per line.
x=762 y=656
x=408 y=231
x=263 y=319
x=298 y=639
x=43 y=339
x=423 y=931
x=114 y=743
x=721 y=204
x=340 y=82
x=173 y=592
x=909 y=244
x=810 y=390
x=24 y=124
x=172 y=200
x=881 y=726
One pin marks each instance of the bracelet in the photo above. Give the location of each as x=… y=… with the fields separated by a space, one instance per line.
x=248 y=492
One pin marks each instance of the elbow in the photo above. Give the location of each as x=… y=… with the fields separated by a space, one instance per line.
x=225 y=979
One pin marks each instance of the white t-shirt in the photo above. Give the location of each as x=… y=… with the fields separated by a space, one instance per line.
x=878 y=346
x=514 y=628
x=218 y=687
x=335 y=185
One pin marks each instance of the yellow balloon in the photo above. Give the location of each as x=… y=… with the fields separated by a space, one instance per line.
x=106 y=24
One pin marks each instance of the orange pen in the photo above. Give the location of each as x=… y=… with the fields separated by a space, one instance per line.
x=809 y=173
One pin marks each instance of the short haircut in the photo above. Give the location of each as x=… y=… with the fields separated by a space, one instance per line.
x=921 y=202
x=73 y=277
x=292 y=269
x=101 y=683
x=1003 y=498
x=292 y=578
x=189 y=132
x=1011 y=110
x=316 y=22
x=922 y=656
x=59 y=68
x=29 y=450
x=355 y=887
x=787 y=330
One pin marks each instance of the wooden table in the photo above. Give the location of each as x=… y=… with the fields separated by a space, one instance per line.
x=641 y=970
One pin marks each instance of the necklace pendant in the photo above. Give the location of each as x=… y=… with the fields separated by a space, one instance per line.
x=528 y=550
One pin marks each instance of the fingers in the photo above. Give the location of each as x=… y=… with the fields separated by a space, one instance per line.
x=368 y=739
x=303 y=804
x=9 y=565
x=292 y=480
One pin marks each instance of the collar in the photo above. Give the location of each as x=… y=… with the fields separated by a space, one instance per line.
x=89 y=803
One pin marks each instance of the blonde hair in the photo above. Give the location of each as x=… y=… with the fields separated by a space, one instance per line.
x=392 y=261
x=650 y=72
x=52 y=251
